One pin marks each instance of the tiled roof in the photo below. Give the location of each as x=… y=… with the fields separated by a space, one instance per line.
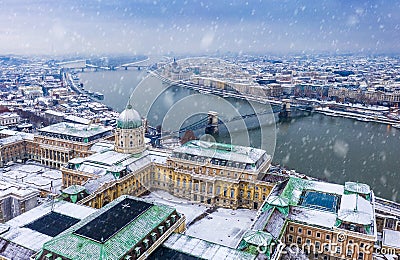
x=11 y=250
x=73 y=246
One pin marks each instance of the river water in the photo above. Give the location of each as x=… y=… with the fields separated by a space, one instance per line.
x=330 y=148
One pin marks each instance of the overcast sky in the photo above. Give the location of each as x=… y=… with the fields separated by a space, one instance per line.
x=57 y=27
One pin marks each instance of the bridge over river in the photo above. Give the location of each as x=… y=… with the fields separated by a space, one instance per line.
x=275 y=109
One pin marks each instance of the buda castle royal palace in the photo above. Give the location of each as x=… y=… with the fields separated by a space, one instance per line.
x=105 y=171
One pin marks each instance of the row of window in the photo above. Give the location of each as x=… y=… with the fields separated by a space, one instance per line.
x=309 y=232
x=210 y=187
x=71 y=179
x=139 y=142
x=8 y=121
x=11 y=154
x=214 y=161
x=57 y=156
x=61 y=136
x=60 y=144
x=153 y=236
x=208 y=171
x=131 y=136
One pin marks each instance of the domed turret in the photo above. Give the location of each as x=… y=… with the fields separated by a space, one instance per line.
x=129 y=118
x=129 y=134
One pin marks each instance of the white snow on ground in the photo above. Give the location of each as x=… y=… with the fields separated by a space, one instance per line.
x=190 y=210
x=224 y=226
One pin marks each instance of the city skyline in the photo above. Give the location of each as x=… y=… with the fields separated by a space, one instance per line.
x=151 y=27
x=237 y=157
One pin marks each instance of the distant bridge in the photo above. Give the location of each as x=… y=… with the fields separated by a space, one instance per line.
x=75 y=64
x=91 y=66
x=82 y=65
x=142 y=64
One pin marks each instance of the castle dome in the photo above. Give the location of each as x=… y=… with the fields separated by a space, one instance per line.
x=129 y=118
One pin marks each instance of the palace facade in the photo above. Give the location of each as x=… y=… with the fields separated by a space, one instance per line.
x=54 y=145
x=199 y=171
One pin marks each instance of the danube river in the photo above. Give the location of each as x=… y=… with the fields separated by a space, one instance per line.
x=330 y=148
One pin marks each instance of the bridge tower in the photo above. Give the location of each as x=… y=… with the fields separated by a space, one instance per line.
x=212 y=124
x=285 y=110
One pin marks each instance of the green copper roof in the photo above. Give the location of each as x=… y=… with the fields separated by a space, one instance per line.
x=355 y=187
x=293 y=190
x=73 y=246
x=73 y=189
x=129 y=119
x=278 y=201
x=257 y=237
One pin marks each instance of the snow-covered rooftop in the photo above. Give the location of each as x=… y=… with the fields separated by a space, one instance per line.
x=73 y=189
x=92 y=168
x=112 y=161
x=54 y=113
x=77 y=119
x=34 y=176
x=15 y=175
x=8 y=132
x=226 y=152
x=317 y=203
x=10 y=139
x=10 y=188
x=158 y=156
x=356 y=209
x=134 y=163
x=313 y=217
x=326 y=187
x=52 y=174
x=77 y=130
x=102 y=147
x=107 y=158
x=127 y=222
x=93 y=184
x=32 y=239
x=8 y=115
x=13 y=136
x=356 y=187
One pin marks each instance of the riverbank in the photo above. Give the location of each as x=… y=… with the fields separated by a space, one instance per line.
x=332 y=148
x=358 y=116
x=359 y=112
